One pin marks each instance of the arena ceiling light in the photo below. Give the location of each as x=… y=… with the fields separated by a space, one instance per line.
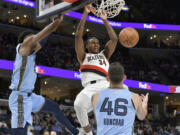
x=125 y=8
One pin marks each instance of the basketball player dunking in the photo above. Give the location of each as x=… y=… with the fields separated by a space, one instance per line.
x=22 y=100
x=94 y=68
x=115 y=107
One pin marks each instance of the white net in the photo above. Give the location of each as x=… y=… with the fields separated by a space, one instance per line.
x=111 y=7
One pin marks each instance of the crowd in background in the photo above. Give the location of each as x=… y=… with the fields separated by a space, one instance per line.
x=46 y=124
x=159 y=43
x=63 y=56
x=136 y=68
x=144 y=11
x=8 y=43
x=169 y=67
x=149 y=11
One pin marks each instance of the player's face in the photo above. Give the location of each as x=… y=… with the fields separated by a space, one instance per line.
x=93 y=46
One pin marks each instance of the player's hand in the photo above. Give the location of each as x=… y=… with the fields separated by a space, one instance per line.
x=102 y=14
x=57 y=22
x=88 y=8
x=60 y=19
x=144 y=99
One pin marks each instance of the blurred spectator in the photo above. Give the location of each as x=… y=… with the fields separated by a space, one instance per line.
x=53 y=133
x=46 y=133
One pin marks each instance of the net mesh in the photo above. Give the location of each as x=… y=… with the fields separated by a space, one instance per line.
x=111 y=7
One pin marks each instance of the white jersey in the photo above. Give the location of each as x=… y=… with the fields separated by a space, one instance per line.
x=94 y=67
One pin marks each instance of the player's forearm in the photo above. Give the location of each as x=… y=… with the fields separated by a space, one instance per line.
x=141 y=111
x=143 y=114
x=80 y=29
x=110 y=30
x=145 y=109
x=46 y=31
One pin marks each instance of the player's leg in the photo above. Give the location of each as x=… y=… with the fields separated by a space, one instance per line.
x=82 y=106
x=46 y=105
x=20 y=107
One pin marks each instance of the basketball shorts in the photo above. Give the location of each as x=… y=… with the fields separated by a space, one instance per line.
x=90 y=89
x=22 y=105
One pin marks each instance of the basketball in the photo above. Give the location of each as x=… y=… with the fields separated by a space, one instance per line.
x=128 y=37
x=70 y=1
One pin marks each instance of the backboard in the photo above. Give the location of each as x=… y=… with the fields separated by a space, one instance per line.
x=48 y=8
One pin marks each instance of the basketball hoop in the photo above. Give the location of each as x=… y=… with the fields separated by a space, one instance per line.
x=111 y=7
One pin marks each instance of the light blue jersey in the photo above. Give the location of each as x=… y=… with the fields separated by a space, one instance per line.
x=24 y=74
x=21 y=100
x=115 y=112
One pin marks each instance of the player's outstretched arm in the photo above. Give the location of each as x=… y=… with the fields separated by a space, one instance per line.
x=79 y=43
x=111 y=44
x=141 y=103
x=31 y=42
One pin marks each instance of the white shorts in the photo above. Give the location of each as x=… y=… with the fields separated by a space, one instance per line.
x=91 y=89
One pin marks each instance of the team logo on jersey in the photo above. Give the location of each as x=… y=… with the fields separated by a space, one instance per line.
x=96 y=57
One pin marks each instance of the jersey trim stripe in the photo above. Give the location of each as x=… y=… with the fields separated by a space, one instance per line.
x=133 y=104
x=94 y=71
x=92 y=68
x=20 y=115
x=22 y=70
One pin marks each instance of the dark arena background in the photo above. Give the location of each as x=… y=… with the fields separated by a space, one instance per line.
x=153 y=65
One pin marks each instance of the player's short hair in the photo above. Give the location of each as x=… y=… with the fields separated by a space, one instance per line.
x=23 y=35
x=88 y=40
x=116 y=73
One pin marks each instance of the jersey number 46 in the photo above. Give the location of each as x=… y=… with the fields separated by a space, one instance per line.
x=107 y=107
